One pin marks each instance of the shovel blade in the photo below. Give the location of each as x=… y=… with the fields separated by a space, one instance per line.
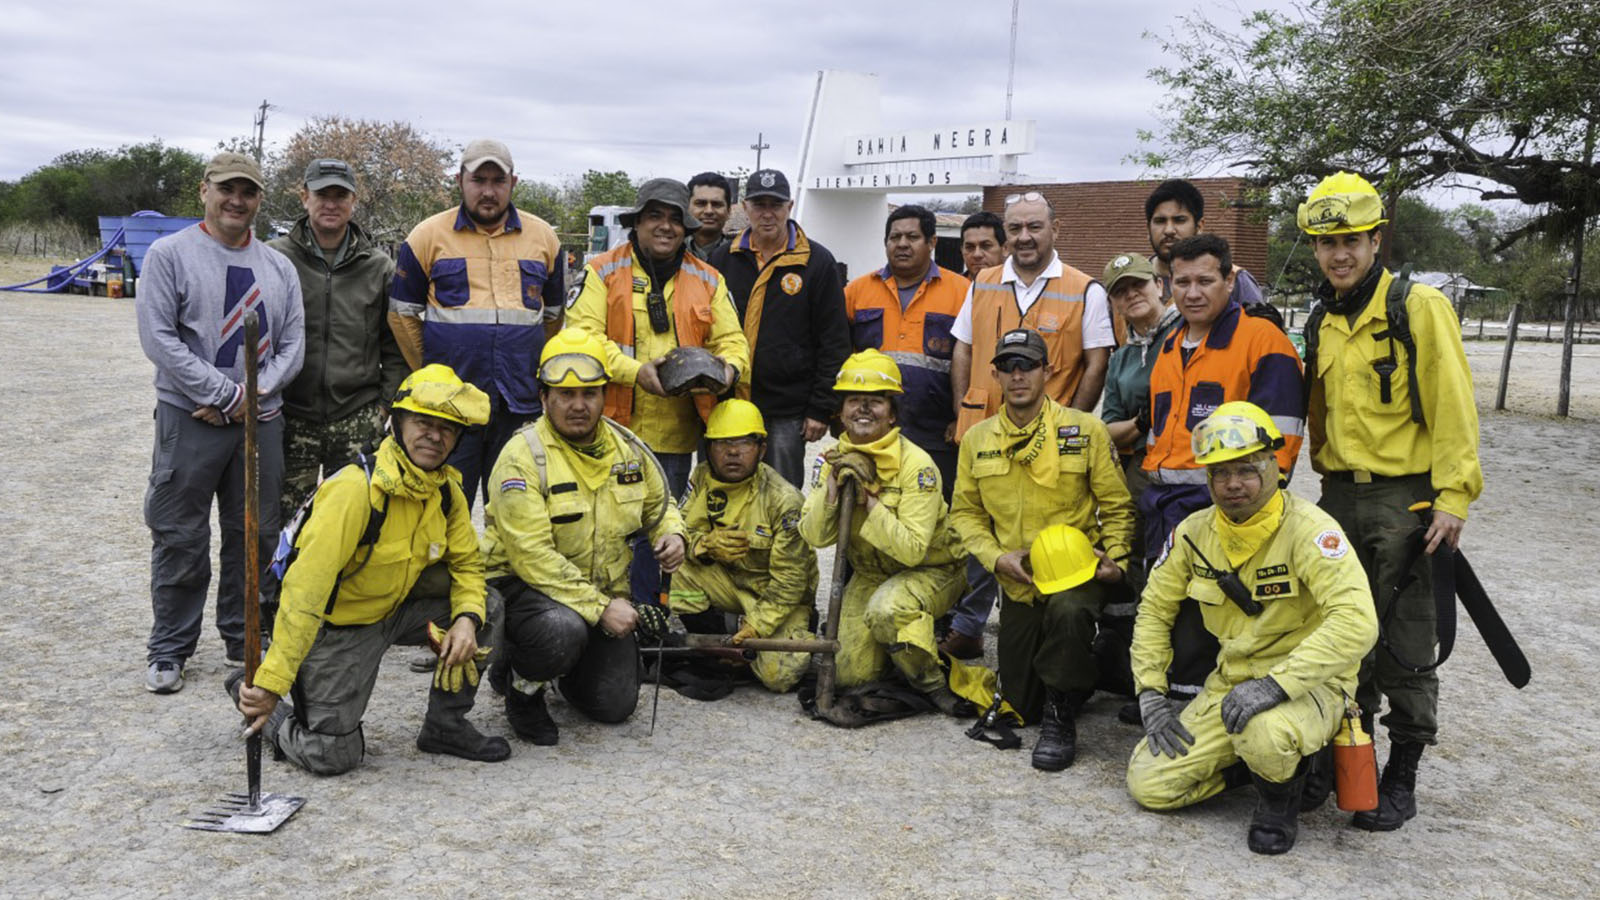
x=234 y=813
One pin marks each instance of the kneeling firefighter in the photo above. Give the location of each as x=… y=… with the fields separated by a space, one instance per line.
x=355 y=584
x=1278 y=584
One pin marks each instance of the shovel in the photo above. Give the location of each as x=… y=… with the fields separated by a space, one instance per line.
x=252 y=812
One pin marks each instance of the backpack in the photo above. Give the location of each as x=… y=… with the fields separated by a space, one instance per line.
x=1399 y=330
x=288 y=550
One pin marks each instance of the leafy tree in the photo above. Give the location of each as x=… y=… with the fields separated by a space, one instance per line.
x=83 y=185
x=402 y=175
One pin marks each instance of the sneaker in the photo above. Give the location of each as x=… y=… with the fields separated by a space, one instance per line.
x=164 y=677
x=235 y=657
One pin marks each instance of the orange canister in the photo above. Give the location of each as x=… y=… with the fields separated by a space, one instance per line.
x=1355 y=766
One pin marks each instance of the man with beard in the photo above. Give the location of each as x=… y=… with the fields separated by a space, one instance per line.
x=474 y=288
x=1176 y=210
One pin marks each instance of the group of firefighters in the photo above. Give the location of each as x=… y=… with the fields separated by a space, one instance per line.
x=1151 y=550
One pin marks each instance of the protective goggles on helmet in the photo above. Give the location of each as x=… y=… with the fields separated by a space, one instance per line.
x=572 y=370
x=1229 y=437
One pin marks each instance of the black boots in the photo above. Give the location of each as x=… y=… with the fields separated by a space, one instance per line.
x=1273 y=827
x=462 y=740
x=1397 y=799
x=529 y=717
x=1319 y=779
x=1058 y=734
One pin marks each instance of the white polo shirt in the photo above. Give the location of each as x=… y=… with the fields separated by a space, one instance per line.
x=1097 y=331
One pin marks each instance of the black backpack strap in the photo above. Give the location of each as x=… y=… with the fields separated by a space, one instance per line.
x=1400 y=330
x=369 y=537
x=1312 y=334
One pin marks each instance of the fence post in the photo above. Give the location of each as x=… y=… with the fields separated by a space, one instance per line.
x=1505 y=361
x=1480 y=329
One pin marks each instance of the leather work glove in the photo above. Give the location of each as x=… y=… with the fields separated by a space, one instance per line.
x=451 y=678
x=854 y=464
x=1247 y=699
x=1166 y=734
x=653 y=620
x=725 y=546
x=746 y=630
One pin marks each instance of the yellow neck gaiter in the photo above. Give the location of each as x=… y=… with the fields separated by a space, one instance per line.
x=726 y=501
x=1241 y=540
x=885 y=453
x=591 y=463
x=1027 y=448
x=396 y=475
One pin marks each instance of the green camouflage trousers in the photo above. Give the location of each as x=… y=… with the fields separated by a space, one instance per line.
x=312 y=449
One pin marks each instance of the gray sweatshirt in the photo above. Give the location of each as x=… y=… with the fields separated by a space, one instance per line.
x=192 y=295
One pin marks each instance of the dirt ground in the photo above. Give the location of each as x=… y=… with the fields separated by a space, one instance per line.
x=741 y=796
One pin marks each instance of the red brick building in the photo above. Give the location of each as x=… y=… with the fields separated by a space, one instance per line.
x=1100 y=219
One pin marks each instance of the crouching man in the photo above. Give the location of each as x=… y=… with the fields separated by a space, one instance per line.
x=746 y=555
x=1278 y=585
x=352 y=589
x=909 y=566
x=565 y=498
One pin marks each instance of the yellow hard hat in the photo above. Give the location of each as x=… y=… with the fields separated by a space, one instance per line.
x=735 y=418
x=1237 y=428
x=869 y=372
x=436 y=390
x=1342 y=204
x=574 y=357
x=1062 y=558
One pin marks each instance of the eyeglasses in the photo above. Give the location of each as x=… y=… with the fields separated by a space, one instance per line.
x=1030 y=197
x=581 y=366
x=1009 y=364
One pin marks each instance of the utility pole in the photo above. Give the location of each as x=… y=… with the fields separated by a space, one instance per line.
x=1564 y=391
x=759 y=146
x=261 y=127
x=1011 y=67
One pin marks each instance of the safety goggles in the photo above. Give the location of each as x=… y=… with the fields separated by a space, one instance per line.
x=1029 y=197
x=1009 y=364
x=559 y=369
x=1228 y=433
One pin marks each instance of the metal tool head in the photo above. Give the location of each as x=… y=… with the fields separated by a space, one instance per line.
x=234 y=813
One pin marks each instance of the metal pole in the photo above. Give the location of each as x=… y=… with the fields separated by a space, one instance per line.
x=1505 y=360
x=759 y=146
x=1011 y=66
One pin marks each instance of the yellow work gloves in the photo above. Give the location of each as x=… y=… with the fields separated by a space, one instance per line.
x=746 y=630
x=451 y=678
x=854 y=464
x=725 y=546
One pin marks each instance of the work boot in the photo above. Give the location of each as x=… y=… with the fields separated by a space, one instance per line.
x=500 y=676
x=1397 y=800
x=962 y=646
x=464 y=741
x=1319 y=779
x=1058 y=735
x=1273 y=827
x=950 y=703
x=530 y=718
x=426 y=661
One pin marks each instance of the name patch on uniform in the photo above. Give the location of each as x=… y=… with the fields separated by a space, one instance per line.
x=928 y=479
x=1204 y=571
x=790 y=284
x=1067 y=431
x=1272 y=589
x=989 y=454
x=1271 y=571
x=1332 y=544
x=1071 y=446
x=640 y=284
x=513 y=484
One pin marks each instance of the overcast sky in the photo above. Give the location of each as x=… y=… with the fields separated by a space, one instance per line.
x=640 y=86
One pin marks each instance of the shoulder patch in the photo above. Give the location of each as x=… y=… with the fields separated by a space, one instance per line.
x=816 y=471
x=513 y=484
x=1332 y=544
x=790 y=520
x=577 y=289
x=928 y=479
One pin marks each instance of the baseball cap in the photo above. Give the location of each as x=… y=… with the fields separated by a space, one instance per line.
x=1023 y=342
x=1127 y=265
x=321 y=173
x=766 y=183
x=228 y=165
x=485 y=150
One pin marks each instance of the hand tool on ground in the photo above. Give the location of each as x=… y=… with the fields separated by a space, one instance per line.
x=827 y=669
x=252 y=812
x=661 y=642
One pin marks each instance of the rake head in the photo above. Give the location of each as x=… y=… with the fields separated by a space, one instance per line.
x=234 y=813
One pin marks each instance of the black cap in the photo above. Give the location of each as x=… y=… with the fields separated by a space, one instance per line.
x=766 y=183
x=1023 y=342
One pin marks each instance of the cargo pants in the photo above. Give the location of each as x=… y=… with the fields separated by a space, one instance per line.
x=890 y=619
x=313 y=450
x=699 y=587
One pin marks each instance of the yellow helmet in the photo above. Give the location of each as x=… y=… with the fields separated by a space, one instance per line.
x=574 y=357
x=735 y=418
x=1062 y=558
x=869 y=372
x=436 y=390
x=1237 y=428
x=1342 y=203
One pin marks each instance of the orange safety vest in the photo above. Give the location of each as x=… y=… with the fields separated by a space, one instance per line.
x=695 y=284
x=1058 y=317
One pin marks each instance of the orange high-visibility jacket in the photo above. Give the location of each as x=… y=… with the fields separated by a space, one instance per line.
x=917 y=338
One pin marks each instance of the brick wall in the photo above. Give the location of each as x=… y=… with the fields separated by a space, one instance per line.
x=1100 y=219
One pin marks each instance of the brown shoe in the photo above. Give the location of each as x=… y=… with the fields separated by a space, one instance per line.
x=962 y=646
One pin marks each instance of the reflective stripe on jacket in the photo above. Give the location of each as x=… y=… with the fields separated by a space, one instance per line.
x=917 y=338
